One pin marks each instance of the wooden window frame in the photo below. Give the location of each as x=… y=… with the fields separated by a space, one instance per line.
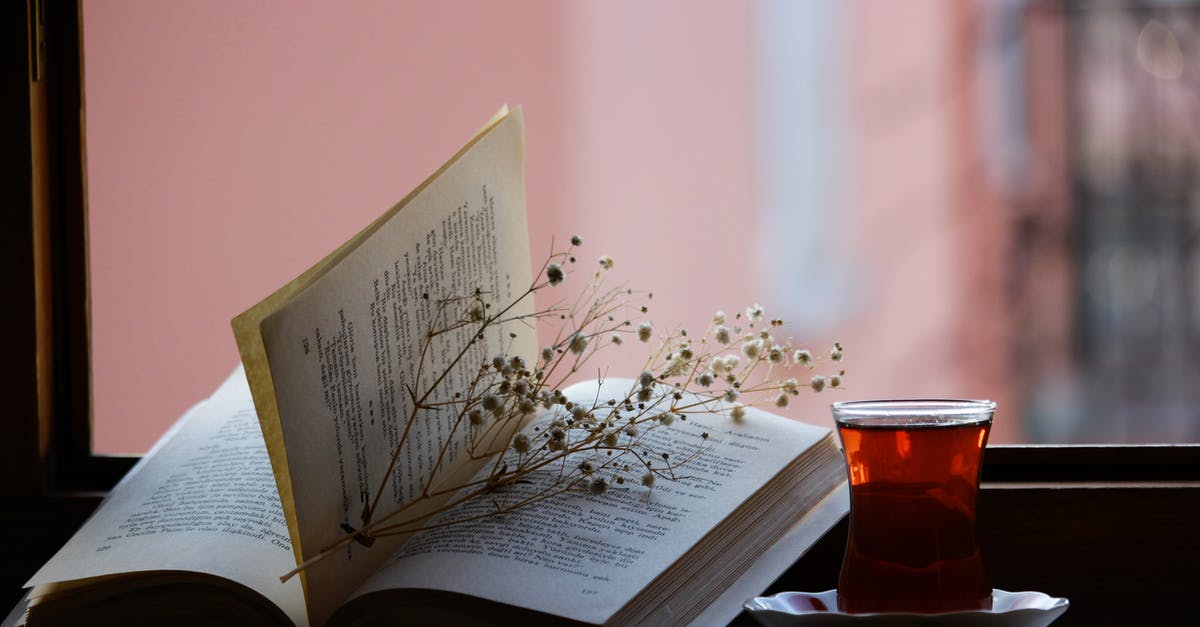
x=45 y=255
x=1081 y=521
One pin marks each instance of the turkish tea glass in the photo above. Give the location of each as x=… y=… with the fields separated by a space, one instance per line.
x=913 y=467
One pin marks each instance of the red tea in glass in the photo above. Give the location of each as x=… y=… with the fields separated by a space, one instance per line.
x=914 y=476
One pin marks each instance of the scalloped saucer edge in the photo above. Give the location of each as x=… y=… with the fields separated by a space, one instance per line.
x=803 y=609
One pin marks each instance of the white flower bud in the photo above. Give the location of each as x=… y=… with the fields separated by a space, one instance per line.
x=578 y=343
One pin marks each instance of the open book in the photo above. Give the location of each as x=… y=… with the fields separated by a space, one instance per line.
x=283 y=458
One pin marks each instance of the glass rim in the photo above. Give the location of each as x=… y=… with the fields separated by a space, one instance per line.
x=964 y=410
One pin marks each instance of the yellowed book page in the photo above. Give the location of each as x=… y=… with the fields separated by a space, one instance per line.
x=248 y=334
x=203 y=500
x=346 y=356
x=584 y=557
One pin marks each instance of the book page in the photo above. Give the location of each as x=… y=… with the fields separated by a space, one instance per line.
x=347 y=352
x=596 y=552
x=203 y=500
x=247 y=330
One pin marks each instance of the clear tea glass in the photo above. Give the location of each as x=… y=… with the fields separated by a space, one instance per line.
x=913 y=467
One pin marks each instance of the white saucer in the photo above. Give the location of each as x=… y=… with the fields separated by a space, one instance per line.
x=1009 y=609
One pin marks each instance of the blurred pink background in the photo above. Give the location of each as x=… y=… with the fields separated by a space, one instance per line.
x=230 y=145
x=836 y=162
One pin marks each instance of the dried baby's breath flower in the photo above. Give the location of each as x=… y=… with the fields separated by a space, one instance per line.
x=578 y=343
x=555 y=274
x=519 y=417
x=475 y=311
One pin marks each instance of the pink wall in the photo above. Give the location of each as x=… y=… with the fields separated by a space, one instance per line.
x=935 y=317
x=232 y=144
x=659 y=170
